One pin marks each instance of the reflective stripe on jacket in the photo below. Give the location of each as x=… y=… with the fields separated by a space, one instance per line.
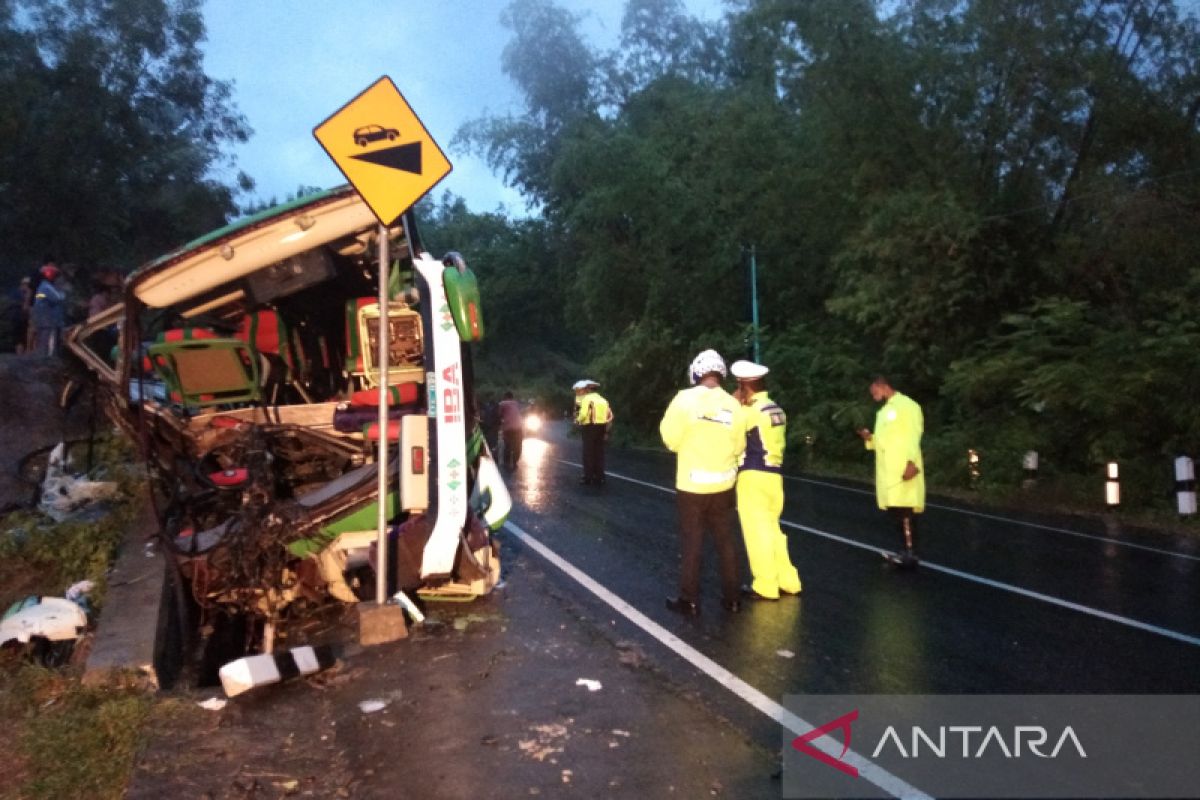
x=592 y=409
x=704 y=427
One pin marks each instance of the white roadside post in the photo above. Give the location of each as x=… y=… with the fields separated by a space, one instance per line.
x=1185 y=485
x=1030 y=466
x=1112 y=486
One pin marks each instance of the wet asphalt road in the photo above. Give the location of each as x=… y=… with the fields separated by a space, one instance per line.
x=987 y=613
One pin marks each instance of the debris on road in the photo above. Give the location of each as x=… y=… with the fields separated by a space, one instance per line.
x=592 y=686
x=371 y=706
x=252 y=671
x=785 y=654
x=212 y=704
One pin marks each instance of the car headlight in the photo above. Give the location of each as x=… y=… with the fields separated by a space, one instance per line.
x=533 y=423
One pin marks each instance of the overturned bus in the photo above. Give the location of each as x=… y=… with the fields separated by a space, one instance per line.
x=246 y=368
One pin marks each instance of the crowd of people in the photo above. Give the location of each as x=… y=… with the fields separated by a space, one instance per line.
x=42 y=304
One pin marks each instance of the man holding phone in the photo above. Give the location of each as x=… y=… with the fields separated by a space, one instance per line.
x=899 y=467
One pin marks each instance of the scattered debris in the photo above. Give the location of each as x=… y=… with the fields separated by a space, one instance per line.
x=371 y=706
x=619 y=732
x=785 y=654
x=547 y=743
x=409 y=606
x=55 y=619
x=566 y=775
x=63 y=495
x=247 y=673
x=213 y=704
x=592 y=686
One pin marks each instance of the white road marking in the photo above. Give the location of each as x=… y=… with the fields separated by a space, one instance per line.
x=1008 y=587
x=870 y=771
x=1021 y=522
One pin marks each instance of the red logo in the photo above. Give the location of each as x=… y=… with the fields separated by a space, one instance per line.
x=801 y=743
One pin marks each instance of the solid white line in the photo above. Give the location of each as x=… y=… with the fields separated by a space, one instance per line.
x=893 y=785
x=1021 y=522
x=1008 y=587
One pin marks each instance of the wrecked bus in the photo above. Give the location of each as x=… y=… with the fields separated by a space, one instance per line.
x=245 y=368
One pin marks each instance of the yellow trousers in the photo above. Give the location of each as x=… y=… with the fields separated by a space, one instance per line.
x=759 y=504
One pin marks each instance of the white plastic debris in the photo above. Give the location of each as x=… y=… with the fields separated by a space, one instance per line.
x=64 y=494
x=406 y=602
x=55 y=618
x=212 y=704
x=592 y=686
x=785 y=654
x=371 y=706
x=79 y=589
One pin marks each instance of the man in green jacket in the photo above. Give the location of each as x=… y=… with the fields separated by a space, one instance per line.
x=899 y=468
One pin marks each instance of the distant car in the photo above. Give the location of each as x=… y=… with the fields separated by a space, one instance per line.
x=373 y=133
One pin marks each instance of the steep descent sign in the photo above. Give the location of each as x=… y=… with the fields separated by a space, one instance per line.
x=382 y=148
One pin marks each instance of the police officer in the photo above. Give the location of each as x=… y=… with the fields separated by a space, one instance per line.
x=703 y=427
x=594 y=417
x=899 y=468
x=760 y=487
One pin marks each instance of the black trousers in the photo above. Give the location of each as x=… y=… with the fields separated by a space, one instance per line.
x=512 y=447
x=904 y=517
x=593 y=452
x=714 y=513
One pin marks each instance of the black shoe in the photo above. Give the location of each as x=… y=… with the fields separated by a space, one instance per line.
x=749 y=593
x=681 y=606
x=906 y=560
x=732 y=606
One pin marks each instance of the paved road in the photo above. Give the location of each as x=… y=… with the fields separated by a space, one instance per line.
x=1002 y=605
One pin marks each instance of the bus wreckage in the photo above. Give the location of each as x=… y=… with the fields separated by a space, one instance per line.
x=246 y=368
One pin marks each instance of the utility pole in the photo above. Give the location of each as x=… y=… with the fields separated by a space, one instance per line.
x=754 y=304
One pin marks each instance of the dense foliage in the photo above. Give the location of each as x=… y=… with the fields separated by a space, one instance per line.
x=996 y=203
x=109 y=133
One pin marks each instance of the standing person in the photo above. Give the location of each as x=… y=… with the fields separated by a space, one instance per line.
x=703 y=427
x=760 y=487
x=512 y=429
x=594 y=417
x=48 y=312
x=489 y=420
x=899 y=468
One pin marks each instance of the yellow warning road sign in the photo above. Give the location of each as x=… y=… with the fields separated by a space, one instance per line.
x=382 y=148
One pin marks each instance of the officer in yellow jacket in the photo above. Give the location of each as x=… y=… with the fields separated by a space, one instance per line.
x=899 y=468
x=594 y=417
x=703 y=427
x=760 y=487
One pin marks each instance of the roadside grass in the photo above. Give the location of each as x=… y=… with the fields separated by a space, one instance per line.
x=62 y=739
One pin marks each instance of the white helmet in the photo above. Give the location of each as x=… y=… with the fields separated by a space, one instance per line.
x=706 y=362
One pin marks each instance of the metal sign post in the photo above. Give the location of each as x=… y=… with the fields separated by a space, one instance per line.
x=384 y=337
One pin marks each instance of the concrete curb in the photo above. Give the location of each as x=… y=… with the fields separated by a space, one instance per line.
x=127 y=635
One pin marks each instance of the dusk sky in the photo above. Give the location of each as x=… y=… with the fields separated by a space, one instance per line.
x=295 y=62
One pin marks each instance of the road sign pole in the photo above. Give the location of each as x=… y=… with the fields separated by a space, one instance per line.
x=383 y=340
x=754 y=303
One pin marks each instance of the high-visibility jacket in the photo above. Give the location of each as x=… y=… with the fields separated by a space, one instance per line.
x=592 y=409
x=766 y=434
x=704 y=427
x=896 y=440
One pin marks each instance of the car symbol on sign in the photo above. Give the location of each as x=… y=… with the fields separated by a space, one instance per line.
x=373 y=133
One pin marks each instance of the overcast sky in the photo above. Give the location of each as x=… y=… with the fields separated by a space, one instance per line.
x=295 y=62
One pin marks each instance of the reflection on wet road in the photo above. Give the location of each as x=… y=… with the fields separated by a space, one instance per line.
x=861 y=627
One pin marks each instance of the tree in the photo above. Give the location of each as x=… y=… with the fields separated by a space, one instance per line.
x=111 y=130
